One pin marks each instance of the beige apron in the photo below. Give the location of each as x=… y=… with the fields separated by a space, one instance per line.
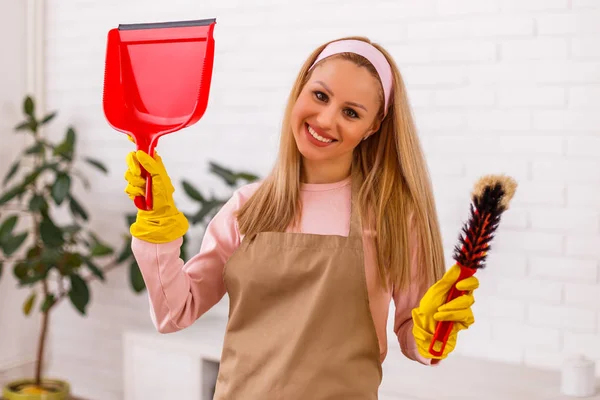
x=300 y=325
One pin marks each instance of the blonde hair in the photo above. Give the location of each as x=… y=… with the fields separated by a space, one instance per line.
x=396 y=187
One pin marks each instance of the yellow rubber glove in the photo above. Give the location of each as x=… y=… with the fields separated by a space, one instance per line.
x=433 y=308
x=164 y=223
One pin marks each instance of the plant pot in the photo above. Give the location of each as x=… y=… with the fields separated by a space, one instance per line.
x=25 y=389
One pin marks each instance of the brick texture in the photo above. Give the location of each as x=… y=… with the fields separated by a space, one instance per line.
x=513 y=83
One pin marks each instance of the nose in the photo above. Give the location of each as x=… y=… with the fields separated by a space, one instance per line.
x=326 y=117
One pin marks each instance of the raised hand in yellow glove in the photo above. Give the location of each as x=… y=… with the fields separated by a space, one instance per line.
x=164 y=223
x=433 y=308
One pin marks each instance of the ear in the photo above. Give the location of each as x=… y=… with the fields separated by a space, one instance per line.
x=375 y=127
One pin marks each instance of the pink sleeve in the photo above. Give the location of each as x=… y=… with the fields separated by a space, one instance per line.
x=181 y=293
x=405 y=301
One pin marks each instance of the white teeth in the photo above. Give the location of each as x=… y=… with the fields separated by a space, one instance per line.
x=317 y=136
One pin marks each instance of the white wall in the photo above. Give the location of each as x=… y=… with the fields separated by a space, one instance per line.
x=17 y=333
x=497 y=86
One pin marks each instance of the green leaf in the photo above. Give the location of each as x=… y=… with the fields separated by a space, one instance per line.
x=48 y=118
x=192 y=191
x=51 y=256
x=131 y=218
x=11 y=172
x=21 y=270
x=73 y=260
x=96 y=164
x=61 y=187
x=29 y=106
x=30 y=178
x=135 y=278
x=126 y=252
x=77 y=209
x=38 y=204
x=51 y=234
x=11 y=194
x=226 y=174
x=183 y=250
x=247 y=176
x=31 y=271
x=7 y=227
x=70 y=138
x=66 y=147
x=13 y=243
x=79 y=293
x=29 y=124
x=1 y=268
x=101 y=250
x=37 y=148
x=34 y=251
x=229 y=176
x=94 y=269
x=28 y=304
x=48 y=302
x=30 y=280
x=207 y=208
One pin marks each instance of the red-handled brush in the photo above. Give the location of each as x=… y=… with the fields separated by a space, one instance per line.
x=490 y=198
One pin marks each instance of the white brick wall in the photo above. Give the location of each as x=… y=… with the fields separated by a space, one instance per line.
x=15 y=343
x=497 y=86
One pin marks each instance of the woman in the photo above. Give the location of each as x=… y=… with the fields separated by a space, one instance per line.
x=312 y=256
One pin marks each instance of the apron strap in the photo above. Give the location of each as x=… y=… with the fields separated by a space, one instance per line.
x=355 y=222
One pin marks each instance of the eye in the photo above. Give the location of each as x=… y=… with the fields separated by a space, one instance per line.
x=320 y=95
x=351 y=113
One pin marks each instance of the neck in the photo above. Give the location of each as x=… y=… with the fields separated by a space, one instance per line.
x=328 y=171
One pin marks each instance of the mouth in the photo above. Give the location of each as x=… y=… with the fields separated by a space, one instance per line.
x=319 y=139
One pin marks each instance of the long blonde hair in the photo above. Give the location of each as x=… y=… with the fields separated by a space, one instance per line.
x=396 y=186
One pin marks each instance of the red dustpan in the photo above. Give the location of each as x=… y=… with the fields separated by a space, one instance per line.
x=156 y=81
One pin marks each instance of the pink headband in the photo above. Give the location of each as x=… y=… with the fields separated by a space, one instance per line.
x=369 y=52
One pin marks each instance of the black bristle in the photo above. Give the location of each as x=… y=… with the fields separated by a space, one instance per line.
x=478 y=231
x=490 y=200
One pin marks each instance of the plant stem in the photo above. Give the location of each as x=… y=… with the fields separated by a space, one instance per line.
x=39 y=362
x=42 y=340
x=45 y=318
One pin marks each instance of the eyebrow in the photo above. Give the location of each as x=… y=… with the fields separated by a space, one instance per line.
x=331 y=94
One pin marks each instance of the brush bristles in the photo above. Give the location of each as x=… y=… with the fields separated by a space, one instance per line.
x=491 y=197
x=508 y=185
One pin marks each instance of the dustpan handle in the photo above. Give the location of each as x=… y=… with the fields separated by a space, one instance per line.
x=145 y=202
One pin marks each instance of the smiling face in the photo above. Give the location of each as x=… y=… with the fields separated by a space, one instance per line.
x=335 y=110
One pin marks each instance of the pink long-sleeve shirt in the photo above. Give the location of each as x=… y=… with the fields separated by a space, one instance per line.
x=180 y=293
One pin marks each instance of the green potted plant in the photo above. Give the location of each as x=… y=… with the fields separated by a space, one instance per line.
x=53 y=259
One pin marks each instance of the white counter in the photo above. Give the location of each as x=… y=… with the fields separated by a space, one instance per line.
x=184 y=365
